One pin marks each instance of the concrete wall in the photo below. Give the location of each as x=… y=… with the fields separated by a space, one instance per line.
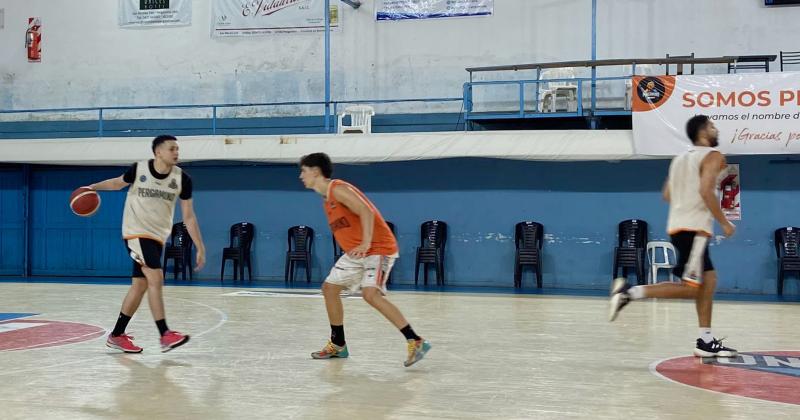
x=88 y=60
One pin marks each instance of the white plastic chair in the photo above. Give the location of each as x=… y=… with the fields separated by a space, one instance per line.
x=641 y=70
x=360 y=119
x=653 y=249
x=550 y=92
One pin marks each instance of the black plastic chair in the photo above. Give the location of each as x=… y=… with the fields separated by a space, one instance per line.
x=179 y=251
x=337 y=250
x=630 y=250
x=394 y=232
x=239 y=251
x=528 y=239
x=790 y=57
x=786 y=248
x=301 y=239
x=433 y=237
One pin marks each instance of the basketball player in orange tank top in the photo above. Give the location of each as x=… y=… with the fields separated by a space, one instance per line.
x=370 y=250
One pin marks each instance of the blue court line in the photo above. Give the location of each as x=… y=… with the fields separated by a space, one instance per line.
x=276 y=284
x=5 y=316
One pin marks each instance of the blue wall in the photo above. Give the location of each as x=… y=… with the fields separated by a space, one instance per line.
x=580 y=205
x=64 y=244
x=12 y=221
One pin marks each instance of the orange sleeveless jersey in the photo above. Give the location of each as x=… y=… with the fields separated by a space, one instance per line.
x=346 y=225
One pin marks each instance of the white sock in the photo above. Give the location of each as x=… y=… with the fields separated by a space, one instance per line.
x=705 y=334
x=636 y=292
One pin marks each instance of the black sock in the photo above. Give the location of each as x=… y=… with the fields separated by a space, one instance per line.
x=162 y=326
x=122 y=323
x=337 y=335
x=409 y=333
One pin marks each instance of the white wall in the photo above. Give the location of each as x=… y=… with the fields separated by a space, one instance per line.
x=89 y=61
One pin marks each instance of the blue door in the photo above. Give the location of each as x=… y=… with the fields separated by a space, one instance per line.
x=12 y=221
x=63 y=244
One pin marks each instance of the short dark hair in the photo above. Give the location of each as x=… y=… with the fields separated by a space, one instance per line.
x=694 y=125
x=161 y=139
x=318 y=160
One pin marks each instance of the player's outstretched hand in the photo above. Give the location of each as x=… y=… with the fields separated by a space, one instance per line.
x=200 y=261
x=729 y=229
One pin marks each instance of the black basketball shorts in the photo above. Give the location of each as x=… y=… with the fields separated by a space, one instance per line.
x=693 y=257
x=144 y=251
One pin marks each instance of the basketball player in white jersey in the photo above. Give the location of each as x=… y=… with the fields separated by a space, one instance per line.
x=155 y=186
x=690 y=190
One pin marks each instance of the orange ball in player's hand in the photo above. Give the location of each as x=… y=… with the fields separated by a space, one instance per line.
x=84 y=201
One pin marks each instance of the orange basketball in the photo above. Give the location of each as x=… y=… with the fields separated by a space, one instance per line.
x=84 y=201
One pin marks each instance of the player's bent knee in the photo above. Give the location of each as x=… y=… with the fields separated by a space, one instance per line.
x=371 y=295
x=329 y=288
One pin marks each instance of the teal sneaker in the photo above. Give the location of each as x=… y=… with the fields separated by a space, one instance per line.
x=330 y=351
x=416 y=351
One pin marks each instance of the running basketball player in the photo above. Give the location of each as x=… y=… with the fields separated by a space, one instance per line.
x=370 y=251
x=690 y=190
x=156 y=185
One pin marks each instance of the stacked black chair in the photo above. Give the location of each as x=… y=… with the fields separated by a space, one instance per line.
x=433 y=237
x=786 y=248
x=241 y=241
x=179 y=251
x=528 y=240
x=630 y=250
x=394 y=232
x=300 y=239
x=337 y=250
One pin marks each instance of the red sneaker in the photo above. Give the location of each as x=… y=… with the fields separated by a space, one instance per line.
x=172 y=339
x=123 y=342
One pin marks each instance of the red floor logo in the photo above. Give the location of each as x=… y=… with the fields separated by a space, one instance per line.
x=770 y=376
x=24 y=334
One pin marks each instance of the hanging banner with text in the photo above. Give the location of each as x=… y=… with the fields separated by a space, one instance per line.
x=754 y=113
x=431 y=9
x=266 y=17
x=149 y=13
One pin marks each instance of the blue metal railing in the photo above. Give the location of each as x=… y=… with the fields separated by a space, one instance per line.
x=330 y=120
x=388 y=101
x=470 y=114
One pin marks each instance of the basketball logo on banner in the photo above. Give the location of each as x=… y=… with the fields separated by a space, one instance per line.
x=651 y=91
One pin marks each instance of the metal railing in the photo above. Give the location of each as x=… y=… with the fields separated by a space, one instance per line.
x=521 y=112
x=101 y=111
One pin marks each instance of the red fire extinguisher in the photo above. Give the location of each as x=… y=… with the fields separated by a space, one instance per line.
x=730 y=189
x=33 y=40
